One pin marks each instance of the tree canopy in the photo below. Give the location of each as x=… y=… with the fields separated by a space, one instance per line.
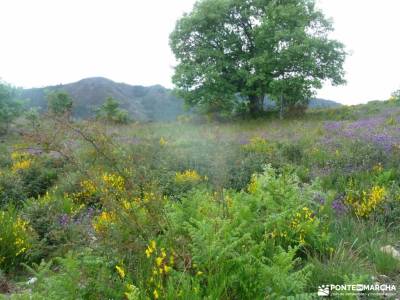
x=111 y=112
x=59 y=103
x=230 y=51
x=10 y=108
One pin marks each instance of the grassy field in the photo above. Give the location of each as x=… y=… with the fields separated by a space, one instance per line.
x=196 y=209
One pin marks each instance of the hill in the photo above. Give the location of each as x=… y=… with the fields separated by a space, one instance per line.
x=323 y=103
x=143 y=103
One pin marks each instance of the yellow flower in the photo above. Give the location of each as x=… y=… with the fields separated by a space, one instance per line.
x=114 y=181
x=163 y=141
x=258 y=144
x=148 y=252
x=21 y=165
x=368 y=201
x=88 y=187
x=163 y=254
x=121 y=271
x=155 y=294
x=103 y=221
x=126 y=204
x=253 y=186
x=301 y=239
x=378 y=168
x=167 y=269
x=130 y=287
x=190 y=176
x=150 y=248
x=21 y=161
x=159 y=261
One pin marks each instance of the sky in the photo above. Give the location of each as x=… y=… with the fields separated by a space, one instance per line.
x=48 y=42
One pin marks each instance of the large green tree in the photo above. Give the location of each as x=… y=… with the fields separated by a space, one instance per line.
x=10 y=108
x=235 y=50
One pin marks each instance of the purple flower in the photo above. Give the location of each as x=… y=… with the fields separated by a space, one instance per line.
x=319 y=199
x=339 y=206
x=64 y=220
x=333 y=126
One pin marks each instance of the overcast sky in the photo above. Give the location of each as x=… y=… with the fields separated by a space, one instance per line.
x=46 y=42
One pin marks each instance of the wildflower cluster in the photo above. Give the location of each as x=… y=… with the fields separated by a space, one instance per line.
x=93 y=190
x=21 y=161
x=113 y=182
x=121 y=272
x=301 y=221
x=253 y=185
x=103 y=221
x=161 y=267
x=132 y=292
x=188 y=176
x=366 y=203
x=14 y=239
x=258 y=144
x=87 y=193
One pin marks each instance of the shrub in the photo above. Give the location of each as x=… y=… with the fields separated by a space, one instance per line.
x=16 y=239
x=11 y=189
x=81 y=276
x=60 y=223
x=27 y=177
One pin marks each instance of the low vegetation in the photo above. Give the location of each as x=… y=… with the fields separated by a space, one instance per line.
x=261 y=209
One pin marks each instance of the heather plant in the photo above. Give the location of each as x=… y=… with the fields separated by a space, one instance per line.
x=59 y=222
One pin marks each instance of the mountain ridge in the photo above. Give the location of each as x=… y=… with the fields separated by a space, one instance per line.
x=144 y=103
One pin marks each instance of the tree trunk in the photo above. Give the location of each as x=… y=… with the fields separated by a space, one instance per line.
x=256 y=105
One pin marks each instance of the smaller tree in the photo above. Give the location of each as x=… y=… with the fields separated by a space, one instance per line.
x=291 y=95
x=10 y=108
x=395 y=96
x=111 y=112
x=59 y=103
x=33 y=118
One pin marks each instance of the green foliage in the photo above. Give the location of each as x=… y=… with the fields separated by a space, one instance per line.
x=11 y=189
x=33 y=118
x=10 y=108
x=334 y=268
x=25 y=177
x=234 y=51
x=79 y=276
x=111 y=112
x=250 y=232
x=58 y=222
x=187 y=211
x=16 y=241
x=59 y=103
x=395 y=96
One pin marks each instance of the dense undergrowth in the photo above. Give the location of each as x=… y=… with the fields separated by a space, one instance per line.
x=261 y=209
